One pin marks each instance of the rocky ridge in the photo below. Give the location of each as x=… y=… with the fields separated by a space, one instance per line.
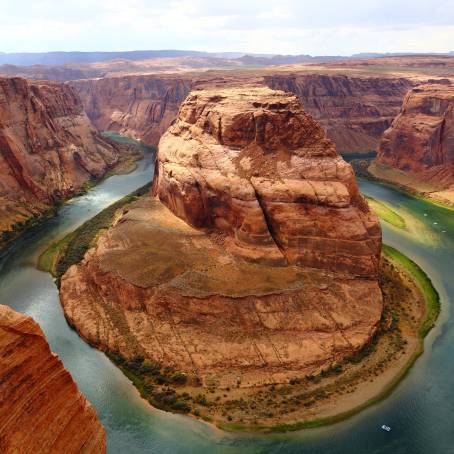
x=41 y=408
x=48 y=149
x=417 y=151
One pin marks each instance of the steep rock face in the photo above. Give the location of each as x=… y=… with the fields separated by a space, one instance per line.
x=420 y=141
x=140 y=106
x=41 y=409
x=251 y=163
x=256 y=262
x=354 y=110
x=48 y=148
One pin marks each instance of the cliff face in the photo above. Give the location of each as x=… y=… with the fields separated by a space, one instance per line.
x=256 y=263
x=48 y=148
x=140 y=106
x=251 y=163
x=41 y=409
x=420 y=142
x=354 y=111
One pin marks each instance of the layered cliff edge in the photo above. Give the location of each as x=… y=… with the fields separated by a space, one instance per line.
x=256 y=263
x=354 y=110
x=417 y=151
x=41 y=409
x=48 y=150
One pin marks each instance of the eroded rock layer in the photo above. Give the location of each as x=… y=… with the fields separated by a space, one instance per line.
x=41 y=409
x=48 y=148
x=251 y=163
x=420 y=142
x=355 y=111
x=256 y=262
x=140 y=106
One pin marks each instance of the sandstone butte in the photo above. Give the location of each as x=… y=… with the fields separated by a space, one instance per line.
x=354 y=110
x=41 y=409
x=417 y=151
x=49 y=148
x=255 y=261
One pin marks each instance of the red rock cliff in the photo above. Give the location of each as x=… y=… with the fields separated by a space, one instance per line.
x=248 y=161
x=420 y=141
x=354 y=110
x=48 y=147
x=140 y=106
x=41 y=410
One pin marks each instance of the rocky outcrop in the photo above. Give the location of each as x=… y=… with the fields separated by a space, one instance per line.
x=354 y=111
x=48 y=148
x=140 y=106
x=41 y=409
x=251 y=163
x=420 y=142
x=256 y=262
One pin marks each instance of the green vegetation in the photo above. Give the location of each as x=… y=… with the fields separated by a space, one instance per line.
x=59 y=256
x=384 y=212
x=156 y=383
x=430 y=293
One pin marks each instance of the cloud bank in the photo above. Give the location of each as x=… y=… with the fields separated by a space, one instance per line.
x=328 y=27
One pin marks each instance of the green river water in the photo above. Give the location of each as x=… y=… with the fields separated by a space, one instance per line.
x=420 y=411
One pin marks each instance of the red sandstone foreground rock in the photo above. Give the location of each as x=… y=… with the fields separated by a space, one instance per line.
x=41 y=409
x=251 y=163
x=262 y=268
x=48 y=148
x=417 y=151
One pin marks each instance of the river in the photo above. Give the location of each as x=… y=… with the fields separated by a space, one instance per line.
x=420 y=411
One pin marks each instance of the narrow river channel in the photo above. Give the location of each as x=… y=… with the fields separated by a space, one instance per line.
x=420 y=411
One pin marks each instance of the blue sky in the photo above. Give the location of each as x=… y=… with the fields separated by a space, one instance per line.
x=271 y=26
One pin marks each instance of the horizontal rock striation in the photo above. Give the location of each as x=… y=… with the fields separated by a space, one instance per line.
x=420 y=141
x=355 y=111
x=251 y=163
x=41 y=409
x=48 y=148
x=140 y=106
x=256 y=261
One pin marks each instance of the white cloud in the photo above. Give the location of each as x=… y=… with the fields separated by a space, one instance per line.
x=284 y=26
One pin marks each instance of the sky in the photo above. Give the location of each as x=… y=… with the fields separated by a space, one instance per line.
x=316 y=27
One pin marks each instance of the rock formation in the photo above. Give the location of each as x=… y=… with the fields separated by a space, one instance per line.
x=256 y=262
x=140 y=106
x=41 y=409
x=420 y=143
x=48 y=148
x=355 y=111
x=260 y=169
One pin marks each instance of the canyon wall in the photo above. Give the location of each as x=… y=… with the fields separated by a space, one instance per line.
x=48 y=148
x=354 y=111
x=255 y=262
x=417 y=151
x=41 y=410
x=140 y=106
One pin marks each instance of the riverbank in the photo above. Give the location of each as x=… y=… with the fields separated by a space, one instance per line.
x=31 y=219
x=331 y=395
x=366 y=168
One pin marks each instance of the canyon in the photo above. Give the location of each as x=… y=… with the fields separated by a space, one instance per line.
x=259 y=256
x=49 y=150
x=41 y=407
x=417 y=151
